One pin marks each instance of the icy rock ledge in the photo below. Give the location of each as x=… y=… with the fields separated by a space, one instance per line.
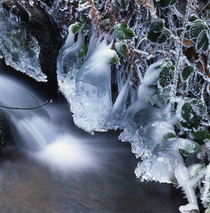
x=17 y=52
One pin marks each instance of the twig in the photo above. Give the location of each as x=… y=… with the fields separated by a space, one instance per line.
x=26 y=108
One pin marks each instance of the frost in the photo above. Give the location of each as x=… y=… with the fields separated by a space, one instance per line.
x=18 y=53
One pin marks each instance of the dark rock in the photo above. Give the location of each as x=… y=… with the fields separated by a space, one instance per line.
x=40 y=25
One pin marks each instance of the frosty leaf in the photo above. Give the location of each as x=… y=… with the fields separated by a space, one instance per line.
x=187 y=147
x=196 y=28
x=153 y=36
x=97 y=5
x=122 y=3
x=105 y=21
x=201 y=135
x=122 y=32
x=195 y=169
x=166 y=3
x=166 y=75
x=164 y=36
x=158 y=33
x=114 y=59
x=121 y=48
x=192 y=113
x=75 y=27
x=202 y=41
x=169 y=135
x=157 y=25
x=187 y=71
x=83 y=51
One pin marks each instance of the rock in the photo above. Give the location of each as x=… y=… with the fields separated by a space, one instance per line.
x=40 y=25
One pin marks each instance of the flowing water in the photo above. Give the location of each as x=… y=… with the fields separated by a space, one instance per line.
x=53 y=167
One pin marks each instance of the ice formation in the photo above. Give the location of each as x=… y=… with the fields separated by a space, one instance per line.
x=17 y=52
x=158 y=92
x=88 y=82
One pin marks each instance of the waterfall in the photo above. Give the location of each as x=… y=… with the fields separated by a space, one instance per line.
x=37 y=132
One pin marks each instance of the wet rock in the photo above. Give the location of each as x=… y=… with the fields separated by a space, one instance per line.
x=4 y=130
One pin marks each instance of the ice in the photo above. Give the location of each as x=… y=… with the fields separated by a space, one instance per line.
x=19 y=53
x=87 y=86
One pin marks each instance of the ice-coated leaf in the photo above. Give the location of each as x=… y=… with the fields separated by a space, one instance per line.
x=123 y=32
x=83 y=51
x=195 y=29
x=187 y=71
x=193 y=112
x=187 y=147
x=121 y=48
x=166 y=75
x=153 y=36
x=157 y=25
x=202 y=41
x=75 y=27
x=165 y=35
x=201 y=136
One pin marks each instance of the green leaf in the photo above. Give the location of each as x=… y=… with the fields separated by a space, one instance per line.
x=193 y=112
x=83 y=51
x=166 y=74
x=122 y=32
x=196 y=28
x=202 y=41
x=105 y=21
x=75 y=27
x=97 y=5
x=157 y=25
x=188 y=147
x=121 y=48
x=187 y=71
x=201 y=135
x=153 y=37
x=170 y=135
x=165 y=35
x=114 y=59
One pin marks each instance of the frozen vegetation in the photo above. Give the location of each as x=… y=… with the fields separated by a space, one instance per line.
x=141 y=67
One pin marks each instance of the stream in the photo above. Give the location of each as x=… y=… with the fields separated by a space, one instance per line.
x=54 y=167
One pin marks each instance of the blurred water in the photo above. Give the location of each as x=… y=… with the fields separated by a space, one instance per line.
x=56 y=168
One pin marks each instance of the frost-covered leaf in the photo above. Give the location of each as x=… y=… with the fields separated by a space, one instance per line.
x=166 y=75
x=187 y=71
x=122 y=3
x=187 y=147
x=195 y=169
x=202 y=41
x=157 y=25
x=123 y=32
x=153 y=36
x=83 y=51
x=165 y=35
x=193 y=112
x=105 y=21
x=158 y=33
x=201 y=136
x=121 y=48
x=195 y=29
x=114 y=59
x=75 y=27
